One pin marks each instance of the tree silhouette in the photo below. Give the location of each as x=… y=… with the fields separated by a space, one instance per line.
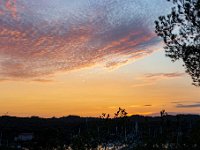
x=105 y=116
x=163 y=113
x=120 y=113
x=180 y=31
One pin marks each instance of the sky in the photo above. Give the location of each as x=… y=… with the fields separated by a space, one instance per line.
x=87 y=57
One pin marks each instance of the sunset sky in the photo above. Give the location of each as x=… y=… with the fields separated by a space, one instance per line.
x=85 y=57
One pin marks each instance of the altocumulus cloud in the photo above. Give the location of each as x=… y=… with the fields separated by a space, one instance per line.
x=39 y=37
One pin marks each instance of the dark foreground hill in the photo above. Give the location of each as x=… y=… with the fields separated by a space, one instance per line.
x=135 y=132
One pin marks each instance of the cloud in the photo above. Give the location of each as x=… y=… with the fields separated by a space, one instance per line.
x=41 y=38
x=114 y=64
x=42 y=80
x=163 y=75
x=148 y=105
x=186 y=104
x=185 y=101
x=8 y=8
x=153 y=78
x=195 y=105
x=2 y=80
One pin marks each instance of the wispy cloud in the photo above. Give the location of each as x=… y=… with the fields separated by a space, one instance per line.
x=163 y=75
x=186 y=104
x=43 y=80
x=2 y=80
x=114 y=64
x=43 y=41
x=148 y=105
x=182 y=102
x=153 y=78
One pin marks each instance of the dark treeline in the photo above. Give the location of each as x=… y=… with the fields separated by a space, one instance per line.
x=134 y=132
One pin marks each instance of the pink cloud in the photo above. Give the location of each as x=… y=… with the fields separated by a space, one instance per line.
x=33 y=47
x=9 y=7
x=163 y=75
x=152 y=78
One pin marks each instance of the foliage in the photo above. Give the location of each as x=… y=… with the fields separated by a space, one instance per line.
x=180 y=31
x=121 y=113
